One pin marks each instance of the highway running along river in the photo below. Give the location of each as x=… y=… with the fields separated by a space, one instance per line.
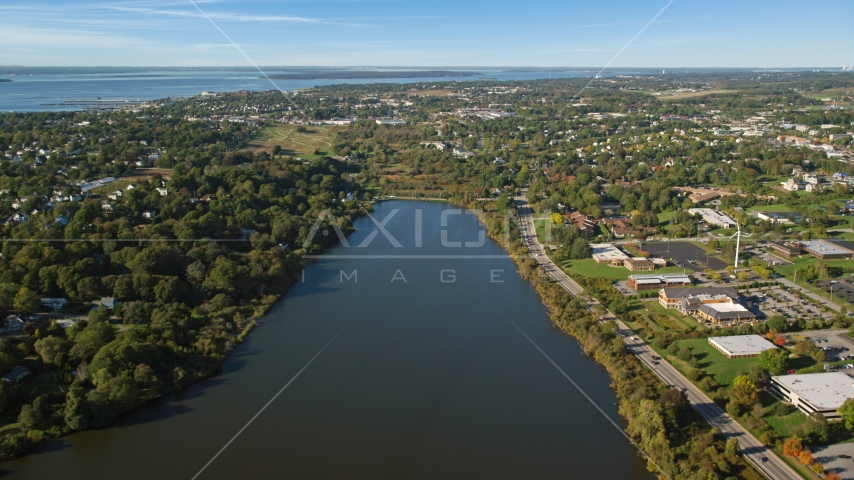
x=428 y=377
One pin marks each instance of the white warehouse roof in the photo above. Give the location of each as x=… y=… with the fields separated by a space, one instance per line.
x=741 y=344
x=824 y=391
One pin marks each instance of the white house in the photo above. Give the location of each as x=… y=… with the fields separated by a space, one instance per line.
x=149 y=214
x=162 y=191
x=792 y=185
x=811 y=178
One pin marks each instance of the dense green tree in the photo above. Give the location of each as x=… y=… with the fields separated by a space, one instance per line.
x=774 y=360
x=26 y=300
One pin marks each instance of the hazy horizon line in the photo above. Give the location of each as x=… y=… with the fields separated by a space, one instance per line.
x=452 y=67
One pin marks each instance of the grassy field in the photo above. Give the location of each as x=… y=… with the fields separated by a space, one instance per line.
x=589 y=268
x=667 y=319
x=540 y=227
x=786 y=425
x=771 y=208
x=293 y=142
x=133 y=177
x=722 y=369
x=665 y=217
x=804 y=260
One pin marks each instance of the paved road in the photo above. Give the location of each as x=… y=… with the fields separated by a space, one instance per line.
x=762 y=458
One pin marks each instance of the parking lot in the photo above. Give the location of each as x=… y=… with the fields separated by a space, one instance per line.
x=781 y=301
x=684 y=255
x=835 y=343
x=838 y=459
x=624 y=288
x=842 y=288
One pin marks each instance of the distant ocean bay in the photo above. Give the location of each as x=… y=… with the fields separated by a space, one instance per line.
x=40 y=89
x=61 y=89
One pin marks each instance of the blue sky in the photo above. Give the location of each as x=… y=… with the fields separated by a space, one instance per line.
x=689 y=33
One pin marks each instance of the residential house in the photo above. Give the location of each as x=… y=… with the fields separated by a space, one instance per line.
x=586 y=224
x=17 y=375
x=811 y=178
x=162 y=191
x=792 y=185
x=12 y=323
x=19 y=218
x=109 y=302
x=54 y=303
x=149 y=214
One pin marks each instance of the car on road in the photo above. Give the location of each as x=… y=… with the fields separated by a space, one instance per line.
x=763 y=459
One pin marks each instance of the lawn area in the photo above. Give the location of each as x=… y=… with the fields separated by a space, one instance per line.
x=667 y=319
x=293 y=142
x=786 y=425
x=804 y=260
x=665 y=217
x=540 y=226
x=589 y=268
x=722 y=369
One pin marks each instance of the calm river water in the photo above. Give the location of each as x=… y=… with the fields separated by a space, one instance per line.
x=425 y=379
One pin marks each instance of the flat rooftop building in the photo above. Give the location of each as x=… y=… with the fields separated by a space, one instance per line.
x=713 y=217
x=816 y=392
x=828 y=250
x=608 y=253
x=741 y=346
x=780 y=217
x=657 y=281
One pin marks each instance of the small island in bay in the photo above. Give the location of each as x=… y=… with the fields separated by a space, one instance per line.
x=355 y=74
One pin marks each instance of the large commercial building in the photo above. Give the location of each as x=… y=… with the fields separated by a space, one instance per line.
x=657 y=281
x=716 y=218
x=816 y=392
x=714 y=305
x=741 y=346
x=828 y=249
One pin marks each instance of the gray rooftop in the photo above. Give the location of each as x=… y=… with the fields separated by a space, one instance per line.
x=742 y=344
x=824 y=391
